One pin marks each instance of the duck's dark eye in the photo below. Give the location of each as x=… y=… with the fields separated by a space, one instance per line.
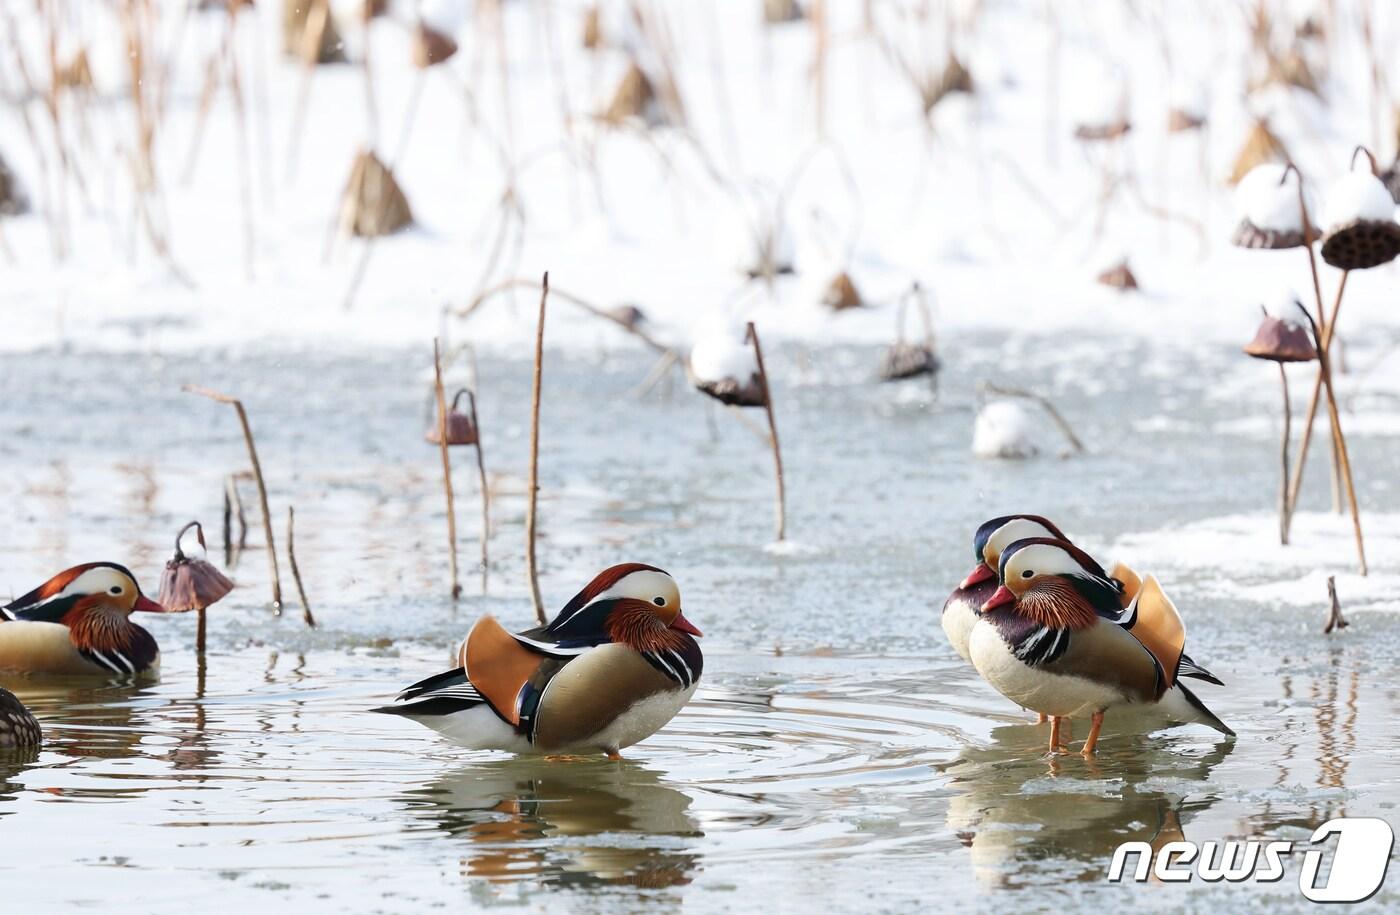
x=659 y=601
x=1028 y=574
x=116 y=589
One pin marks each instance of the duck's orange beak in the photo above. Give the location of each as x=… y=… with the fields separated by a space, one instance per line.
x=982 y=573
x=1001 y=598
x=145 y=603
x=685 y=625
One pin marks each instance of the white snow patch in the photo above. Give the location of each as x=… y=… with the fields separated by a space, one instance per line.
x=1269 y=200
x=1004 y=429
x=722 y=354
x=1357 y=195
x=1239 y=556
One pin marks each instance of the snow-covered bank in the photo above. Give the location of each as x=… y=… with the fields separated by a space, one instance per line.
x=991 y=203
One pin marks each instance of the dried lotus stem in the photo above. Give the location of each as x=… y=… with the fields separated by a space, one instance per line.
x=446 y=468
x=751 y=336
x=257 y=477
x=534 y=486
x=306 y=616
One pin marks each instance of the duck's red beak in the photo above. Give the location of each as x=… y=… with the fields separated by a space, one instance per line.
x=982 y=573
x=685 y=625
x=1001 y=598
x=145 y=603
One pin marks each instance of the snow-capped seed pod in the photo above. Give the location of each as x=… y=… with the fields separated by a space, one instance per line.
x=1260 y=146
x=1119 y=276
x=1270 y=217
x=190 y=583
x=373 y=204
x=1360 y=217
x=723 y=366
x=1004 y=430
x=841 y=293
x=1278 y=340
x=460 y=428
x=431 y=47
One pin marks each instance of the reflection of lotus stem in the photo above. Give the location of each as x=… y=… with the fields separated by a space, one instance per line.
x=481 y=474
x=534 y=487
x=1283 y=456
x=233 y=503
x=257 y=477
x=306 y=616
x=781 y=507
x=446 y=468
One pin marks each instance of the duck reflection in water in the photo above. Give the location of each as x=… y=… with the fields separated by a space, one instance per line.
x=1013 y=813
x=574 y=823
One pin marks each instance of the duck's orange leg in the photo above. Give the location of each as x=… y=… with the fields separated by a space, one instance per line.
x=1040 y=717
x=1092 y=740
x=1055 y=735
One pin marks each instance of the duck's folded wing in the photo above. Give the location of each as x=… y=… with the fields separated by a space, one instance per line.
x=1154 y=621
x=1109 y=654
x=509 y=674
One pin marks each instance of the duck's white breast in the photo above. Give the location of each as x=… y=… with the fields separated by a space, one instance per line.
x=959 y=617
x=1035 y=688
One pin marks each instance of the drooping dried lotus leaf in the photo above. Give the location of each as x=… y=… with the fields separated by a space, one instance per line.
x=373 y=204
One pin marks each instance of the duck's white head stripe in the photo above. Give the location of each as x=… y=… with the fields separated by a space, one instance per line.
x=1013 y=530
x=645 y=584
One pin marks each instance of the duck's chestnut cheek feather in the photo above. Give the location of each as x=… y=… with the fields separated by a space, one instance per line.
x=1001 y=598
x=982 y=573
x=685 y=625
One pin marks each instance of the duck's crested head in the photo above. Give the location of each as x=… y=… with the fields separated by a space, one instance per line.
x=1053 y=581
x=92 y=584
x=634 y=587
x=994 y=536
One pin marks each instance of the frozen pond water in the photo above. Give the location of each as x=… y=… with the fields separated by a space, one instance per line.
x=838 y=755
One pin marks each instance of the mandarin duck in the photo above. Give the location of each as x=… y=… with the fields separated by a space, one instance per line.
x=78 y=622
x=18 y=728
x=615 y=665
x=1055 y=638
x=962 y=606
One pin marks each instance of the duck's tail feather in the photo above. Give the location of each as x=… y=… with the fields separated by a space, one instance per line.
x=442 y=694
x=1189 y=668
